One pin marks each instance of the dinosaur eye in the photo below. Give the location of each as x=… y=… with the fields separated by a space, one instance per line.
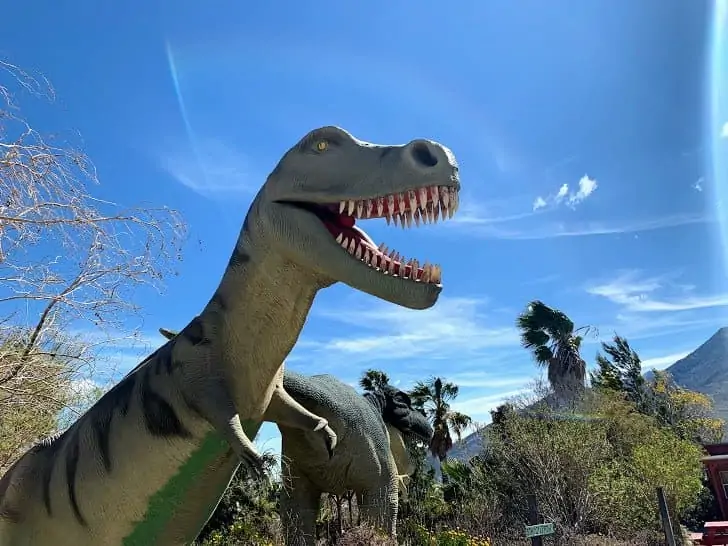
x=322 y=145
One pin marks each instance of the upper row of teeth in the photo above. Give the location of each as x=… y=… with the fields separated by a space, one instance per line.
x=444 y=203
x=385 y=259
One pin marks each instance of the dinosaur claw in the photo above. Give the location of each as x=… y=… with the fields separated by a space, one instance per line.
x=330 y=440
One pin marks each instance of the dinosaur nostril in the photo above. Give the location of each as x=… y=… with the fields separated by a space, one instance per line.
x=423 y=155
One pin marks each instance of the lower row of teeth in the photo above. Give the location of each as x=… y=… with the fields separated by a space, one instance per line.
x=385 y=261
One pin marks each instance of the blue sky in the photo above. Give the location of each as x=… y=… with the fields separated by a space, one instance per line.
x=590 y=135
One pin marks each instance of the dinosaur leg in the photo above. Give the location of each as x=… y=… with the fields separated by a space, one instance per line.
x=378 y=507
x=299 y=506
x=284 y=410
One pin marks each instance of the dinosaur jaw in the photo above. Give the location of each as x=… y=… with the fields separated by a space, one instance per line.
x=422 y=205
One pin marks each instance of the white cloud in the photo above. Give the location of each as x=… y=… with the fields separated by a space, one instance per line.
x=587 y=186
x=563 y=192
x=724 y=130
x=211 y=167
x=84 y=388
x=639 y=294
x=698 y=186
x=539 y=203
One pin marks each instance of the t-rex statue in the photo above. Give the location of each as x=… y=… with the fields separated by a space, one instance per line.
x=148 y=462
x=371 y=456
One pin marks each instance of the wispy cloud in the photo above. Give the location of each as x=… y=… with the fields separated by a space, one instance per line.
x=479 y=407
x=698 y=185
x=724 y=130
x=653 y=294
x=585 y=187
x=211 y=168
x=474 y=212
x=662 y=362
x=552 y=230
x=456 y=334
x=453 y=326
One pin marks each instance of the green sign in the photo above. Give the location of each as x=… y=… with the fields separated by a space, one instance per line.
x=539 y=530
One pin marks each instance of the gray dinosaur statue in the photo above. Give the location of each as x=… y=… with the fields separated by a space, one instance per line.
x=371 y=456
x=148 y=462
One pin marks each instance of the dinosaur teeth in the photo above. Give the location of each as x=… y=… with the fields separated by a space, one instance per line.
x=390 y=262
x=423 y=205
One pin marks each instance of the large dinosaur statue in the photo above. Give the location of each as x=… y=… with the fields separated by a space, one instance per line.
x=148 y=463
x=371 y=456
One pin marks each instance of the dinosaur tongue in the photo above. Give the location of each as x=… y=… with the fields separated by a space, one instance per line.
x=345 y=225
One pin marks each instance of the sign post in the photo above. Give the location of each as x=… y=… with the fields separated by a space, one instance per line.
x=535 y=529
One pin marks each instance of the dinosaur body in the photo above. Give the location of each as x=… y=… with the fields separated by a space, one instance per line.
x=370 y=458
x=148 y=463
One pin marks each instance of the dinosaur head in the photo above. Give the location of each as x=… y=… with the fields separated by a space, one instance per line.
x=311 y=204
x=397 y=410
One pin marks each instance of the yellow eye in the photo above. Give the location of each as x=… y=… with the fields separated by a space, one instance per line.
x=322 y=145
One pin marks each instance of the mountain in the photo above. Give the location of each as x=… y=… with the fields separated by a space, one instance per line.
x=706 y=370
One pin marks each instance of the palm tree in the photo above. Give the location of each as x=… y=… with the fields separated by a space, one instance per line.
x=373 y=380
x=550 y=334
x=434 y=397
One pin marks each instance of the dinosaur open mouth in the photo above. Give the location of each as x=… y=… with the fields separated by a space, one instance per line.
x=423 y=205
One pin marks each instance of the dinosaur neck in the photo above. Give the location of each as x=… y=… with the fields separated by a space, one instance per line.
x=262 y=297
x=377 y=400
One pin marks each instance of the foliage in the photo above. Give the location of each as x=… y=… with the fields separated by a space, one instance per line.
x=373 y=380
x=247 y=510
x=621 y=371
x=688 y=413
x=591 y=473
x=68 y=262
x=434 y=397
x=364 y=536
x=555 y=343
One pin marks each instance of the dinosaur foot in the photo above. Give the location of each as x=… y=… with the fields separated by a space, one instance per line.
x=253 y=464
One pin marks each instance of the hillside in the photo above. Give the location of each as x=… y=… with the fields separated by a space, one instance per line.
x=704 y=370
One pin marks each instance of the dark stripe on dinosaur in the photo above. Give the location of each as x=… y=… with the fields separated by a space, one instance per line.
x=193 y=406
x=238 y=258
x=10 y=514
x=102 y=414
x=159 y=416
x=164 y=360
x=48 y=450
x=71 y=468
x=194 y=332
x=219 y=300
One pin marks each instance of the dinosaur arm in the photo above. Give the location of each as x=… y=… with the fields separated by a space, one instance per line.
x=285 y=411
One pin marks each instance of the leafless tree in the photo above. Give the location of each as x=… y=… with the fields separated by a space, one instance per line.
x=69 y=263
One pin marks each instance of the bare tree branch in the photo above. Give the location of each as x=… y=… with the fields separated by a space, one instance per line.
x=68 y=260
